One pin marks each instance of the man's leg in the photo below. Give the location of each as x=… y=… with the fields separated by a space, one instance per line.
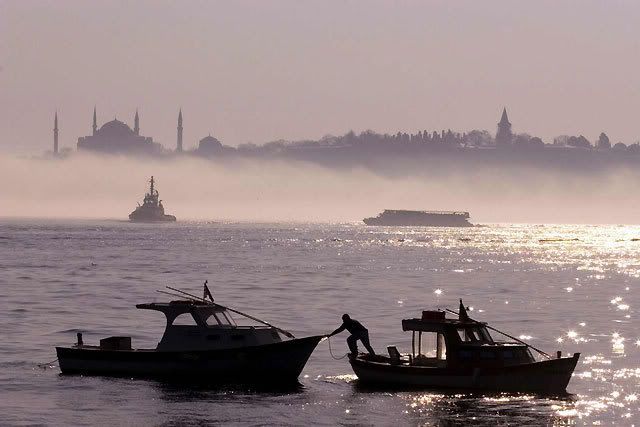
x=365 y=341
x=353 y=345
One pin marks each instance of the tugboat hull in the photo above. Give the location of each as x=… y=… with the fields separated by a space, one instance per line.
x=277 y=363
x=549 y=376
x=142 y=218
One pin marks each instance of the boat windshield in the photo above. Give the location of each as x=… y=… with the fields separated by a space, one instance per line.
x=474 y=334
x=221 y=318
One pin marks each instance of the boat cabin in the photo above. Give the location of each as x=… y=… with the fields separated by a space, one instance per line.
x=441 y=342
x=195 y=325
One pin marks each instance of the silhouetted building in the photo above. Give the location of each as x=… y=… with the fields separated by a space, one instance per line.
x=117 y=137
x=209 y=145
x=55 y=135
x=179 y=142
x=504 y=136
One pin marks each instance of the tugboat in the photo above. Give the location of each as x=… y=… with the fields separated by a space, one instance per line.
x=151 y=209
x=460 y=354
x=405 y=218
x=212 y=348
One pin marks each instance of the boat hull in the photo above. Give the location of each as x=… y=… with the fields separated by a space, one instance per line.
x=160 y=218
x=426 y=222
x=170 y=218
x=279 y=363
x=548 y=376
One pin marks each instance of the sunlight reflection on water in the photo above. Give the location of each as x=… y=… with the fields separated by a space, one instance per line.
x=569 y=288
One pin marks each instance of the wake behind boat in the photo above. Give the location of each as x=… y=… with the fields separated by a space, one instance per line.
x=461 y=354
x=212 y=348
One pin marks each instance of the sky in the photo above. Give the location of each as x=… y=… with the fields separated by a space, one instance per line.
x=256 y=71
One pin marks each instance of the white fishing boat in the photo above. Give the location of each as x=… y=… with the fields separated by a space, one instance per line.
x=460 y=353
x=213 y=348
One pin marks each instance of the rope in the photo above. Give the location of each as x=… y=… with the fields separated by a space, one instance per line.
x=331 y=352
x=47 y=364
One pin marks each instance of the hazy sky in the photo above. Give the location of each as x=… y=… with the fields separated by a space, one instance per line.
x=263 y=70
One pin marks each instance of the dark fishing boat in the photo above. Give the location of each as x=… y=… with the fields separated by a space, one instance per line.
x=212 y=348
x=460 y=354
x=151 y=209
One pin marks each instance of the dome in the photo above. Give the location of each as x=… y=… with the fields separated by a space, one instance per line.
x=115 y=128
x=209 y=143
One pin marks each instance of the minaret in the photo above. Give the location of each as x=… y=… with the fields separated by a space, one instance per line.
x=136 y=123
x=55 y=135
x=504 y=136
x=95 y=121
x=179 y=145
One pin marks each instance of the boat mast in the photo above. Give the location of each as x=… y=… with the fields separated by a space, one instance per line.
x=151 y=185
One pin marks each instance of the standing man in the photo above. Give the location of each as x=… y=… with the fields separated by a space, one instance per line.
x=357 y=331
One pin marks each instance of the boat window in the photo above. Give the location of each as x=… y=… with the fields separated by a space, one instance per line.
x=474 y=334
x=229 y=319
x=216 y=319
x=487 y=355
x=212 y=320
x=507 y=354
x=467 y=335
x=432 y=344
x=184 y=319
x=484 y=335
x=465 y=355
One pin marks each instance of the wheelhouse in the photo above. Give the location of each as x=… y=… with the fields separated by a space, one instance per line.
x=196 y=325
x=440 y=342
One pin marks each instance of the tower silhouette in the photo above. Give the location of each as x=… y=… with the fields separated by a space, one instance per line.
x=136 y=123
x=179 y=142
x=504 y=136
x=55 y=134
x=95 y=121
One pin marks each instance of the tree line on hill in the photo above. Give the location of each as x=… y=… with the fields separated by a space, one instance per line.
x=445 y=138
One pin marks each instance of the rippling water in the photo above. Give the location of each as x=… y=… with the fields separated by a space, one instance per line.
x=569 y=288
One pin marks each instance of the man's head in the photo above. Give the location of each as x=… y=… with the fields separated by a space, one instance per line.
x=345 y=317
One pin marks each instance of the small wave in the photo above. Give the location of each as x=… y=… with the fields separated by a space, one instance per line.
x=575 y=239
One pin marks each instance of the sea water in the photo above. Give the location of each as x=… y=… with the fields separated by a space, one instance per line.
x=573 y=288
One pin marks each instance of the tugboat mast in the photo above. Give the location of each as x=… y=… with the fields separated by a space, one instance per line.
x=151 y=185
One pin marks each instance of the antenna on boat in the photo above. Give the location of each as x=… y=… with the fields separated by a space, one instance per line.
x=195 y=298
x=468 y=319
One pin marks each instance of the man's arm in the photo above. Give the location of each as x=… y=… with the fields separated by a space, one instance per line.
x=337 y=331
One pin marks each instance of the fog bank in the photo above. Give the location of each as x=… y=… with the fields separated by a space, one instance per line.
x=86 y=186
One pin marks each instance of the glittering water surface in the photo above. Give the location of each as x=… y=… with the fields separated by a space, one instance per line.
x=569 y=288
